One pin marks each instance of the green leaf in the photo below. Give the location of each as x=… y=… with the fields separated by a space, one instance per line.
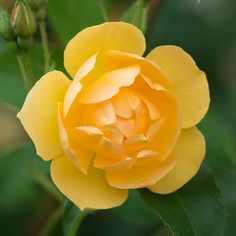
x=196 y=209
x=134 y=209
x=68 y=18
x=72 y=218
x=130 y=15
x=222 y=154
x=21 y=197
x=18 y=188
x=225 y=179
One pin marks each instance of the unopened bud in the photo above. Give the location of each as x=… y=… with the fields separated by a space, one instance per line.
x=25 y=43
x=13 y=46
x=23 y=21
x=5 y=26
x=36 y=5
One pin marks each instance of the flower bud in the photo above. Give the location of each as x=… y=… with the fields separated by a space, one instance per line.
x=36 y=5
x=14 y=47
x=25 y=43
x=23 y=21
x=5 y=25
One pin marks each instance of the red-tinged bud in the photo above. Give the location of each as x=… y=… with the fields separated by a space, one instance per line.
x=23 y=20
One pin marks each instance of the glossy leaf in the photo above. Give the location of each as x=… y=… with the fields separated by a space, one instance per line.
x=196 y=209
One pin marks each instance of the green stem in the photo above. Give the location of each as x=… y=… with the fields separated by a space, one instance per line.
x=103 y=10
x=46 y=184
x=138 y=16
x=52 y=221
x=26 y=72
x=28 y=67
x=77 y=222
x=44 y=36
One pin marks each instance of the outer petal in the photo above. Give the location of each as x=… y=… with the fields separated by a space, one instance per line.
x=190 y=151
x=86 y=191
x=118 y=36
x=39 y=113
x=140 y=175
x=190 y=83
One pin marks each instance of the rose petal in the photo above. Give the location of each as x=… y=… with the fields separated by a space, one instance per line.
x=190 y=83
x=190 y=151
x=39 y=113
x=119 y=36
x=89 y=191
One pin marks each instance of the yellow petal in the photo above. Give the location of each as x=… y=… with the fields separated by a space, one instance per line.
x=39 y=113
x=190 y=151
x=121 y=105
x=118 y=36
x=89 y=191
x=88 y=136
x=109 y=84
x=106 y=163
x=140 y=175
x=112 y=60
x=145 y=156
x=84 y=73
x=114 y=134
x=109 y=149
x=93 y=138
x=163 y=134
x=126 y=126
x=134 y=143
x=78 y=154
x=189 y=82
x=99 y=114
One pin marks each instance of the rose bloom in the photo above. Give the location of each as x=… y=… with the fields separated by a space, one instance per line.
x=123 y=122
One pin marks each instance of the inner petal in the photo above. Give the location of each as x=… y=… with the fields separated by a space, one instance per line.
x=141 y=118
x=126 y=126
x=99 y=115
x=105 y=163
x=94 y=139
x=142 y=89
x=114 y=134
x=109 y=84
x=121 y=105
x=134 y=143
x=162 y=134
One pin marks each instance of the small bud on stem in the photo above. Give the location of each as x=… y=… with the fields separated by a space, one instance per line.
x=5 y=26
x=23 y=21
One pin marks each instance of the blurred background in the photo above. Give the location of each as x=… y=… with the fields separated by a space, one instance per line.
x=205 y=29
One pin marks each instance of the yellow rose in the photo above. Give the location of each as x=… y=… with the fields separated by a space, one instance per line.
x=124 y=122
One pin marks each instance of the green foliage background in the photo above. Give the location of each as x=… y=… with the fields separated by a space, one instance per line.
x=207 y=31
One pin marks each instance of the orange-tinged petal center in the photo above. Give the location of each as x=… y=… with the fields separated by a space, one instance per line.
x=124 y=115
